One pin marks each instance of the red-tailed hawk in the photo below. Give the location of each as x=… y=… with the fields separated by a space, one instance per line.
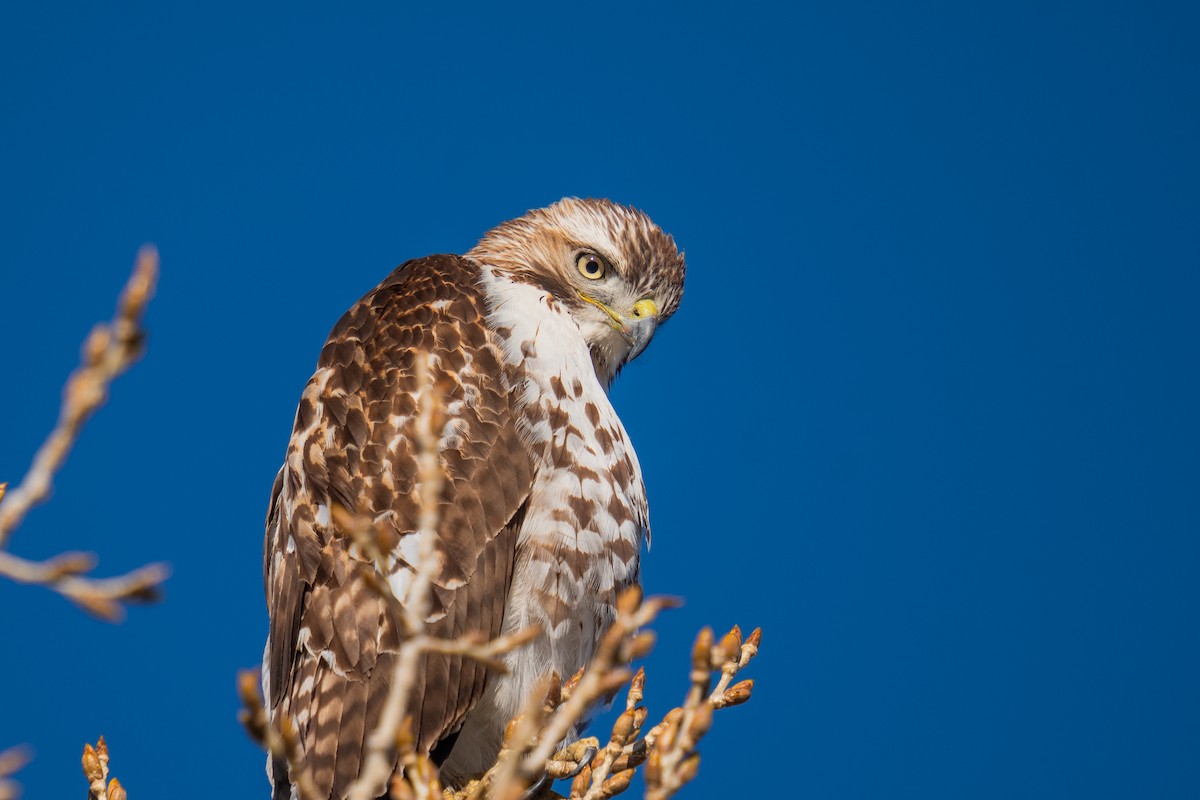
x=542 y=512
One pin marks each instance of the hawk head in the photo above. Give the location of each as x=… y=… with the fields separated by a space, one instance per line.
x=612 y=269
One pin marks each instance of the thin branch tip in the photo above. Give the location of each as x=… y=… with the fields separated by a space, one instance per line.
x=109 y=350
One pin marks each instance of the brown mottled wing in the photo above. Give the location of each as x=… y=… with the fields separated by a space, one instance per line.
x=332 y=641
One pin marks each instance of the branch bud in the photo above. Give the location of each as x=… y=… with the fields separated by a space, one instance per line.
x=91 y=764
x=737 y=694
x=702 y=650
x=616 y=784
x=688 y=769
x=629 y=600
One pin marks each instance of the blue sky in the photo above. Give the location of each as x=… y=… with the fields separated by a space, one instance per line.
x=927 y=413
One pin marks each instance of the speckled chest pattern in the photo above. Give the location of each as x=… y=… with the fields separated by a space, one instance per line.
x=580 y=541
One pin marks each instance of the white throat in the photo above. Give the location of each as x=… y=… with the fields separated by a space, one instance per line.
x=536 y=331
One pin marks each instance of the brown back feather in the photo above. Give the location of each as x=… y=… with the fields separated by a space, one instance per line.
x=332 y=641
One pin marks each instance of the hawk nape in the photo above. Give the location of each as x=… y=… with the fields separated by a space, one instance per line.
x=542 y=511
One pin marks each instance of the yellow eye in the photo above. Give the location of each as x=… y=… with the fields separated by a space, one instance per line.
x=590 y=266
x=644 y=308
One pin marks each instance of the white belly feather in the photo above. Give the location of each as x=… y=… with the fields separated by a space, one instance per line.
x=586 y=518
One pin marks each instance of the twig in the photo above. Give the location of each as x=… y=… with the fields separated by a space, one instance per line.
x=673 y=760
x=281 y=742
x=101 y=597
x=624 y=753
x=483 y=652
x=531 y=739
x=95 y=769
x=109 y=350
x=604 y=675
x=501 y=780
x=381 y=744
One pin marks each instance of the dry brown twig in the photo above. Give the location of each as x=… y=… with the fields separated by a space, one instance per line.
x=672 y=759
x=668 y=749
x=552 y=714
x=95 y=769
x=109 y=350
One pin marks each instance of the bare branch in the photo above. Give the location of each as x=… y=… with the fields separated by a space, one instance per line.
x=109 y=350
x=101 y=597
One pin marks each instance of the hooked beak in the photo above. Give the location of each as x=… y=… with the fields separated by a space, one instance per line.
x=637 y=329
x=638 y=332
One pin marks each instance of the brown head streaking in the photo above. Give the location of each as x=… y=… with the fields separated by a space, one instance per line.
x=542 y=511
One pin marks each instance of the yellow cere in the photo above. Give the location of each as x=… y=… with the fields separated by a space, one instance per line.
x=645 y=308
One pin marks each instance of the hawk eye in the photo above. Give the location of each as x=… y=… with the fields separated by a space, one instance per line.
x=590 y=266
